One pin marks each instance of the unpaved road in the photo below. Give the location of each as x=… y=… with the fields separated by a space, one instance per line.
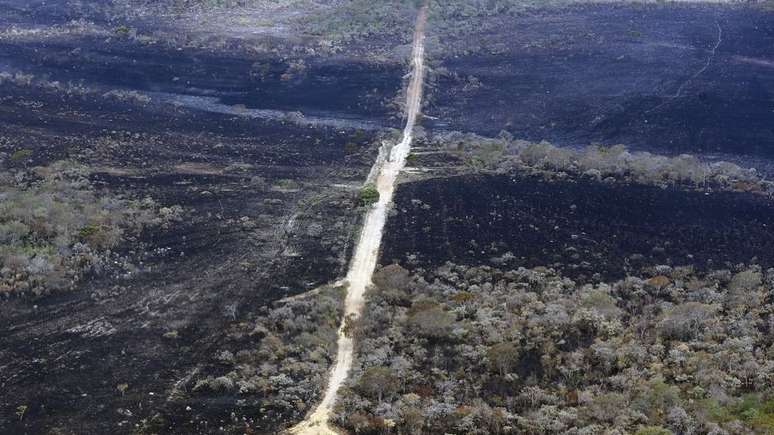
x=367 y=250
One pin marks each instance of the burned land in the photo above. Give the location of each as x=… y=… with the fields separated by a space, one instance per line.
x=244 y=153
x=671 y=78
x=183 y=184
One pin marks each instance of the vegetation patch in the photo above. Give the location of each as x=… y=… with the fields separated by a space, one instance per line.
x=278 y=361
x=21 y=154
x=602 y=163
x=483 y=350
x=368 y=195
x=357 y=19
x=55 y=227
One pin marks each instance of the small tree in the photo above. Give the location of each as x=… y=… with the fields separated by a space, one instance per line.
x=392 y=277
x=433 y=323
x=368 y=195
x=503 y=357
x=378 y=381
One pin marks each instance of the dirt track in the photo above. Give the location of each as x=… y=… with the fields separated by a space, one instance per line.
x=367 y=250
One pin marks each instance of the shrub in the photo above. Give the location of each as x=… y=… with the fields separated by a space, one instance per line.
x=377 y=382
x=653 y=430
x=287 y=184
x=600 y=162
x=392 y=277
x=432 y=322
x=745 y=281
x=368 y=195
x=513 y=354
x=685 y=321
x=21 y=154
x=503 y=357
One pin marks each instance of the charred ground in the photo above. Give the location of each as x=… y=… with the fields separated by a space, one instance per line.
x=263 y=140
x=611 y=74
x=264 y=153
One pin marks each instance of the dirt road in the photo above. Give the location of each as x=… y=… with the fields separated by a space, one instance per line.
x=367 y=250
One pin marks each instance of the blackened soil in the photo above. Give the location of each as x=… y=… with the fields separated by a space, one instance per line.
x=56 y=126
x=269 y=211
x=313 y=86
x=587 y=230
x=618 y=75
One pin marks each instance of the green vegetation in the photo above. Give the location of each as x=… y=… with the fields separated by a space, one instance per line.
x=357 y=19
x=602 y=163
x=482 y=350
x=20 y=411
x=755 y=410
x=21 y=154
x=287 y=184
x=278 y=360
x=653 y=430
x=54 y=227
x=368 y=195
x=88 y=230
x=122 y=30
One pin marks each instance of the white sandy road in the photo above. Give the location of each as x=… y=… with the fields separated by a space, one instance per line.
x=367 y=250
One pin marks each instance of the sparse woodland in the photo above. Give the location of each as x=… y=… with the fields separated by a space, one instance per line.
x=55 y=227
x=483 y=350
x=608 y=164
x=278 y=361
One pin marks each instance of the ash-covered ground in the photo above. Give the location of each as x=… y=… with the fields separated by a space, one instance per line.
x=243 y=132
x=588 y=230
x=554 y=144
x=251 y=137
x=668 y=77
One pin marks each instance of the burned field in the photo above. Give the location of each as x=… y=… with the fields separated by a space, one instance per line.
x=669 y=78
x=219 y=158
x=589 y=231
x=661 y=78
x=253 y=160
x=573 y=204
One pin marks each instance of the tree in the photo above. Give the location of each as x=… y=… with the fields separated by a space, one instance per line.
x=503 y=357
x=685 y=321
x=392 y=277
x=377 y=382
x=368 y=195
x=433 y=323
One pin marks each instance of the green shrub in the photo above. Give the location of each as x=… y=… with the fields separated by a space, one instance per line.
x=368 y=195
x=122 y=30
x=21 y=154
x=754 y=410
x=653 y=430
x=287 y=184
x=88 y=230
